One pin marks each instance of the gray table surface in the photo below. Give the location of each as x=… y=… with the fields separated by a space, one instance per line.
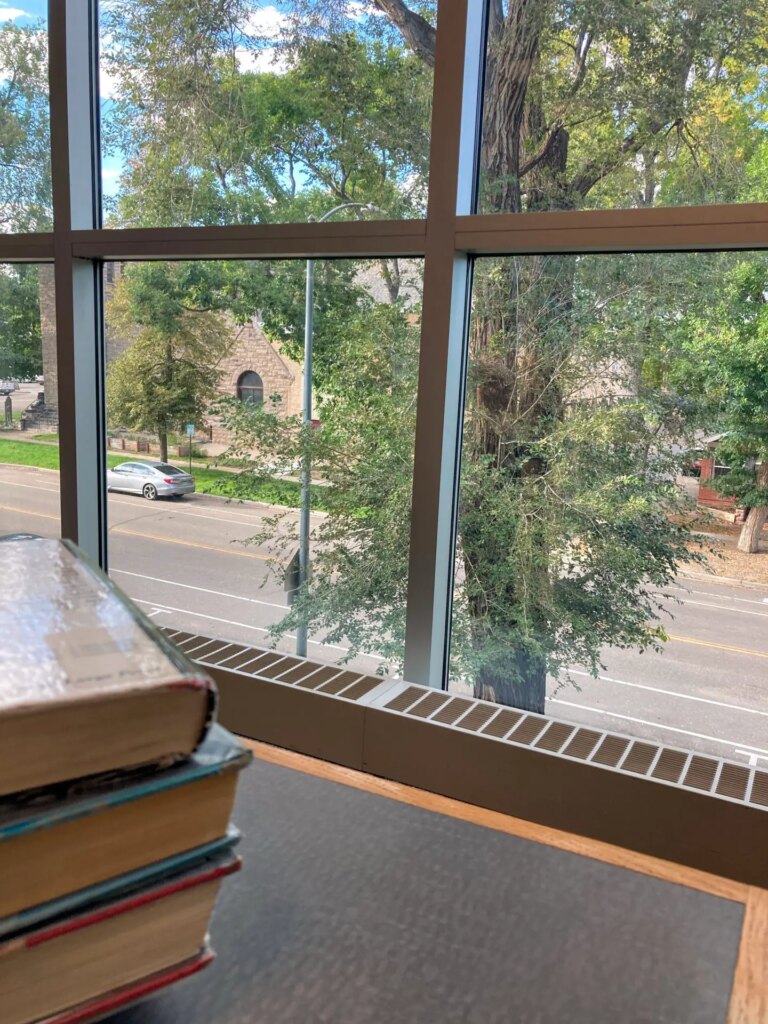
x=355 y=909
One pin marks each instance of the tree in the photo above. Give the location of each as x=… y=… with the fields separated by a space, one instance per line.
x=585 y=105
x=727 y=349
x=20 y=337
x=363 y=453
x=167 y=376
x=573 y=413
x=25 y=162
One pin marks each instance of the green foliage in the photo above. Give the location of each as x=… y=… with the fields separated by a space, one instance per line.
x=167 y=376
x=589 y=376
x=20 y=337
x=363 y=453
x=25 y=161
x=727 y=358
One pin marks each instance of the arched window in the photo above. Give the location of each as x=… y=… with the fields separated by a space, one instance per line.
x=250 y=388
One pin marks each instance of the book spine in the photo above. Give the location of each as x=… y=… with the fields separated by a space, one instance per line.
x=121 y=998
x=124 y=906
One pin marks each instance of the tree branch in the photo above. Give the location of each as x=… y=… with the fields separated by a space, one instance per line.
x=596 y=170
x=415 y=30
x=543 y=151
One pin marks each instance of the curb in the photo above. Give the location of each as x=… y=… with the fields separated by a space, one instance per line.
x=730 y=580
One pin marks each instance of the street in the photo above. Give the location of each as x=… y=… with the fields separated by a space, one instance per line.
x=186 y=564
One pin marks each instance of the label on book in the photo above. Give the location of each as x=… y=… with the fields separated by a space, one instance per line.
x=68 y=633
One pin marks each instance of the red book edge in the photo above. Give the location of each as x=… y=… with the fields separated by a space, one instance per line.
x=139 y=899
x=118 y=999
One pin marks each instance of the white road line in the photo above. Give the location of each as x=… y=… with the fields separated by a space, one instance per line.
x=670 y=693
x=657 y=725
x=248 y=517
x=725 y=607
x=243 y=625
x=202 y=590
x=706 y=593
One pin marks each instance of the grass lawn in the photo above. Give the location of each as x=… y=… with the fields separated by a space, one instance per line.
x=207 y=481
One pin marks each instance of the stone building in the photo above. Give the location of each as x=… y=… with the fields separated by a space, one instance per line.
x=253 y=370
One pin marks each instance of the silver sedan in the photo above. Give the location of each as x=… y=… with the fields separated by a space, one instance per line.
x=151 y=479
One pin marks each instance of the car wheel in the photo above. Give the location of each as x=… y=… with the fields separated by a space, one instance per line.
x=149 y=491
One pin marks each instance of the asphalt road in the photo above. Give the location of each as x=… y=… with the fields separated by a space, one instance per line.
x=188 y=564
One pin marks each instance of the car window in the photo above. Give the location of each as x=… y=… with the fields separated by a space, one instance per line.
x=168 y=470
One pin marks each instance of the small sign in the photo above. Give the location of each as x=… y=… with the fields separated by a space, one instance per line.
x=190 y=429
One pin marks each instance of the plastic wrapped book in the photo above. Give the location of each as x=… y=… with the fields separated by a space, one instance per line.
x=87 y=685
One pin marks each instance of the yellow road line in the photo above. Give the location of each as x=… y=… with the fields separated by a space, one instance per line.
x=27 y=512
x=722 y=647
x=152 y=536
x=191 y=544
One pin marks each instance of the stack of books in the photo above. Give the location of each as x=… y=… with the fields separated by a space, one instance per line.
x=116 y=789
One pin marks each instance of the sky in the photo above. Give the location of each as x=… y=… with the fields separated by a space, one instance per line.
x=266 y=25
x=267 y=21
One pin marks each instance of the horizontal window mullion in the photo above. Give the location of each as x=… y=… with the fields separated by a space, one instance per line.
x=34 y=247
x=380 y=238
x=662 y=228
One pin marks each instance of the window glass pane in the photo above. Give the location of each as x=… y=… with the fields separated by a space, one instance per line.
x=244 y=113
x=181 y=338
x=29 y=451
x=615 y=105
x=612 y=566
x=25 y=159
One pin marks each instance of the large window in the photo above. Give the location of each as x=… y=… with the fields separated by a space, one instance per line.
x=590 y=551
x=246 y=113
x=595 y=109
x=29 y=451
x=25 y=156
x=529 y=435
x=218 y=560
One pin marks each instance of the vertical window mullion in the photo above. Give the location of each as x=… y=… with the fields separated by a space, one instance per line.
x=76 y=179
x=447 y=273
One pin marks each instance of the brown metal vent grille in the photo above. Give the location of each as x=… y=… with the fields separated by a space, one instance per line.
x=725 y=779
x=669 y=766
x=406 y=698
x=429 y=704
x=452 y=711
x=555 y=736
x=759 y=793
x=502 y=723
x=583 y=743
x=477 y=717
x=640 y=758
x=610 y=751
x=701 y=772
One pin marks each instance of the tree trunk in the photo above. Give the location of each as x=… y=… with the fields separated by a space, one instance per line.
x=521 y=683
x=163 y=438
x=749 y=538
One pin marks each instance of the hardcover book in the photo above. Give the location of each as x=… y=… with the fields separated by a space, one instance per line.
x=54 y=846
x=87 y=684
x=81 y=957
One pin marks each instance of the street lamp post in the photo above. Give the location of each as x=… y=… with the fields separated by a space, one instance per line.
x=306 y=416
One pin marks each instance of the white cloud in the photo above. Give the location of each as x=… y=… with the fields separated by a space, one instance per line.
x=357 y=10
x=267 y=23
x=9 y=13
x=107 y=84
x=269 y=58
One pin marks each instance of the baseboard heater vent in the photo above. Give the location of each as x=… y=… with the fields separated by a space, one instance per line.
x=639 y=758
